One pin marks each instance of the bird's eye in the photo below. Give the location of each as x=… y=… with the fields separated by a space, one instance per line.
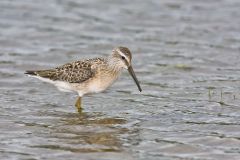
x=123 y=57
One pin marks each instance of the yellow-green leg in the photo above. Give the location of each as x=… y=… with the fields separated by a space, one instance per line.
x=78 y=104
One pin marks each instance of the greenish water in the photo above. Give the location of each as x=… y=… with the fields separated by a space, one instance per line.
x=185 y=53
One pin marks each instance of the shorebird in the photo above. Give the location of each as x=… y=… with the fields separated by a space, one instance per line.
x=90 y=75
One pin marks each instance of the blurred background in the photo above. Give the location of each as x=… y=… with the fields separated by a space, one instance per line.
x=185 y=53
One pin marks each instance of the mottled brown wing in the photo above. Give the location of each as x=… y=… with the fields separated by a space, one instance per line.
x=75 y=72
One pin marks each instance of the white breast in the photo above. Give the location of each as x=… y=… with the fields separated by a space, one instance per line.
x=101 y=83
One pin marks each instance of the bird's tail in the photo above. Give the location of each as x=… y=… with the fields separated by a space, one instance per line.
x=33 y=73
x=50 y=73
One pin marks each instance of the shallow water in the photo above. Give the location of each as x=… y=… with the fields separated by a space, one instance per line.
x=186 y=55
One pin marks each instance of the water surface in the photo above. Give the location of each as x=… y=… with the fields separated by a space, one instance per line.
x=185 y=53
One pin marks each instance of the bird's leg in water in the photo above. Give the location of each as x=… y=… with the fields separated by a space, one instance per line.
x=78 y=104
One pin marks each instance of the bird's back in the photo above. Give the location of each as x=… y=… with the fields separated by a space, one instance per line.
x=74 y=72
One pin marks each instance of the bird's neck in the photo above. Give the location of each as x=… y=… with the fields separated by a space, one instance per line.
x=112 y=63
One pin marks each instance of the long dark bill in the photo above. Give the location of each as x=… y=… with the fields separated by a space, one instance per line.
x=131 y=72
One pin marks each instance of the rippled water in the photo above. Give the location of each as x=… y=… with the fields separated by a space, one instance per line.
x=186 y=55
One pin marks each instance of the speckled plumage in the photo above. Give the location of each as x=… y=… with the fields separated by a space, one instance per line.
x=74 y=72
x=88 y=76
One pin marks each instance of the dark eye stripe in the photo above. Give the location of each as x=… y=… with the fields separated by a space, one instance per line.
x=125 y=60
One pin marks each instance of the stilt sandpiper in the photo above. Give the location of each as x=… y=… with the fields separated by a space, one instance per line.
x=88 y=76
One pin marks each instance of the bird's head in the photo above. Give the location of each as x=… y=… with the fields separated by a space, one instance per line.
x=121 y=57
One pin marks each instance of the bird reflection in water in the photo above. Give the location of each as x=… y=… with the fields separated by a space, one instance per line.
x=87 y=132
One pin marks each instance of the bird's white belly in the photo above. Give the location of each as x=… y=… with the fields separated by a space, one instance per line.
x=61 y=85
